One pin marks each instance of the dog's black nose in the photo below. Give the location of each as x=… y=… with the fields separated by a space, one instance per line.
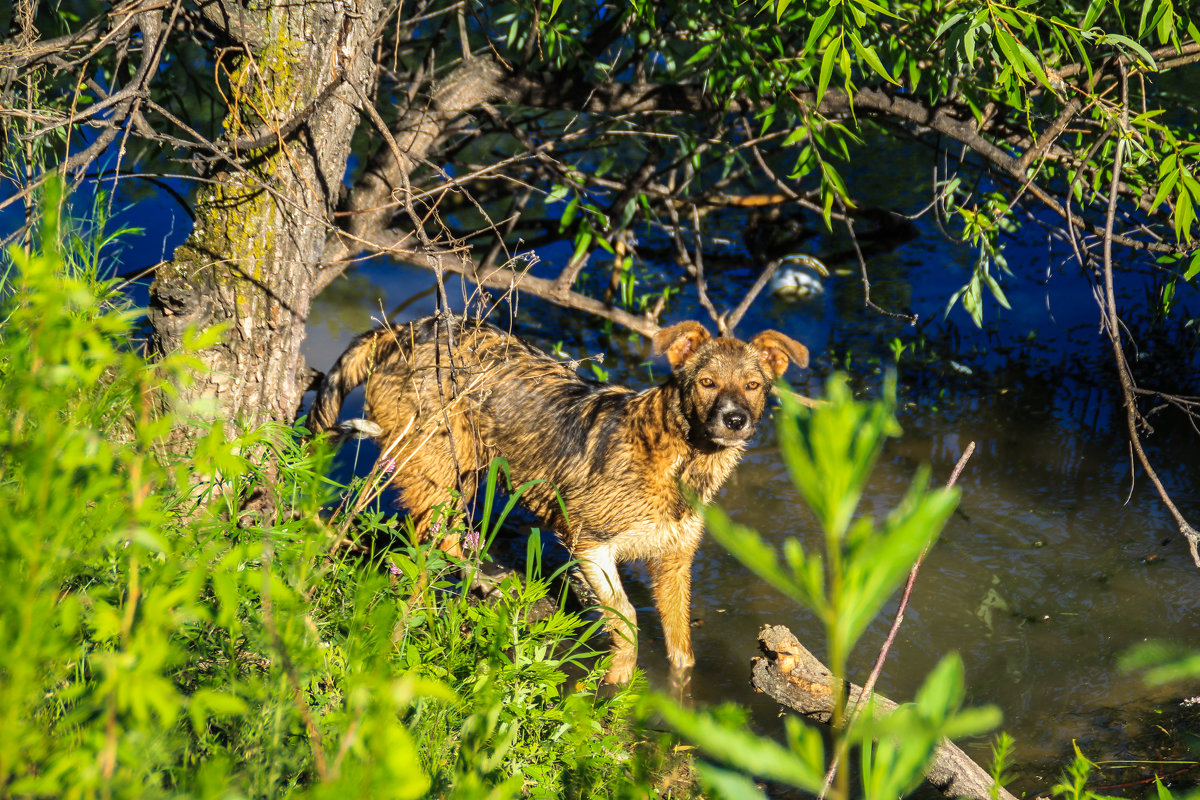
x=734 y=420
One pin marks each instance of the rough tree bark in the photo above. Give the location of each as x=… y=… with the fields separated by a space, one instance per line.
x=252 y=259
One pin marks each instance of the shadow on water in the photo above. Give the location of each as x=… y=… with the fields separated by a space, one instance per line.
x=1052 y=566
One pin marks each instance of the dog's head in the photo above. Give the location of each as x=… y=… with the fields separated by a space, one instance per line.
x=723 y=382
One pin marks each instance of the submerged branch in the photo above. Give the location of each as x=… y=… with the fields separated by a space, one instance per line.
x=794 y=677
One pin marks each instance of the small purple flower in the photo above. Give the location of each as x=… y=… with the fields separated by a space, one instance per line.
x=392 y=568
x=471 y=540
x=389 y=466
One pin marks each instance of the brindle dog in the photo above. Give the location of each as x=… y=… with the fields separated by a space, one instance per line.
x=625 y=464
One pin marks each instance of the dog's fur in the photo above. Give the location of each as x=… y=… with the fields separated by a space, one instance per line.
x=625 y=464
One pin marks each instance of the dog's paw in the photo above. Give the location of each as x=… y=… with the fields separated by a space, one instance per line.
x=621 y=670
x=681 y=659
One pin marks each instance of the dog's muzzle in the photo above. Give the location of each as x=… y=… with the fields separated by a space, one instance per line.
x=729 y=423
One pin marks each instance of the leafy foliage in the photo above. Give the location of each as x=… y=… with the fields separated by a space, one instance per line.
x=157 y=644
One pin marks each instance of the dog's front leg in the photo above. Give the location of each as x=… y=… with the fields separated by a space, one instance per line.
x=599 y=569
x=672 y=576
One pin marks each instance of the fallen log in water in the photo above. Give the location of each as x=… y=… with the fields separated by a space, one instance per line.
x=795 y=678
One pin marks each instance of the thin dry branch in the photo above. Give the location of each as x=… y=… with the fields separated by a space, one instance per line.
x=1113 y=329
x=508 y=279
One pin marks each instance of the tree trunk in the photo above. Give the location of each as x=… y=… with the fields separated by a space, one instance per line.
x=252 y=259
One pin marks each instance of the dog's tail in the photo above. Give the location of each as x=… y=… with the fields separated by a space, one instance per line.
x=352 y=368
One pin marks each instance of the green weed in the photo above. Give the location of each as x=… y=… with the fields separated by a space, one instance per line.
x=161 y=642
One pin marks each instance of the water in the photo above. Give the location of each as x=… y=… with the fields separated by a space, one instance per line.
x=1051 y=568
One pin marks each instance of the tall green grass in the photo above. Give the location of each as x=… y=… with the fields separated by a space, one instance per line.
x=156 y=644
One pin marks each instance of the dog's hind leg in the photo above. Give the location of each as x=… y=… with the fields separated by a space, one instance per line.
x=427 y=481
x=600 y=571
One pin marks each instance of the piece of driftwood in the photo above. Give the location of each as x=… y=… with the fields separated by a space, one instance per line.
x=795 y=678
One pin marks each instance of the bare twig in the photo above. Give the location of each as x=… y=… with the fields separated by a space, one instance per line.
x=1112 y=327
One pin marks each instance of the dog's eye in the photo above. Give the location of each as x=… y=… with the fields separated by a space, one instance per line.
x=752 y=385
x=707 y=383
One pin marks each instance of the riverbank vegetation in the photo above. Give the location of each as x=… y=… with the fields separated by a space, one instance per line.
x=187 y=608
x=159 y=645
x=163 y=641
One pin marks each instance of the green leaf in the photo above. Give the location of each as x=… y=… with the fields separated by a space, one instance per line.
x=1185 y=215
x=744 y=750
x=1193 y=266
x=831 y=53
x=1142 y=20
x=997 y=292
x=804 y=585
x=818 y=28
x=869 y=55
x=797 y=134
x=1034 y=64
x=907 y=738
x=726 y=783
x=1093 y=13
x=1168 y=296
x=196 y=340
x=1191 y=184
x=969 y=41
x=1166 y=24
x=827 y=465
x=947 y=23
x=568 y=214
x=700 y=55
x=581 y=246
x=972 y=301
x=1011 y=51
x=1164 y=662
x=877 y=562
x=207 y=703
x=1124 y=42
x=857 y=15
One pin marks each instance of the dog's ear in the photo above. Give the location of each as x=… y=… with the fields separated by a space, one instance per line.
x=776 y=349
x=680 y=342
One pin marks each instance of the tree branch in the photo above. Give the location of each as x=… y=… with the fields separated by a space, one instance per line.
x=1113 y=328
x=506 y=279
x=371 y=201
x=952 y=120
